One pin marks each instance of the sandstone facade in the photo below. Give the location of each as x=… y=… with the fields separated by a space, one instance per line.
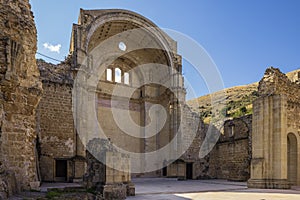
x=275 y=161
x=63 y=137
x=230 y=158
x=47 y=139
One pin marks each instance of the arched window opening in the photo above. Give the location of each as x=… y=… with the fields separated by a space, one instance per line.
x=109 y=74
x=126 y=78
x=118 y=75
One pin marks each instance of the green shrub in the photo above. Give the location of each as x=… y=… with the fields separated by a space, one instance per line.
x=243 y=110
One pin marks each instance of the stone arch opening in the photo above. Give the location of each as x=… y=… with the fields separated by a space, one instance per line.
x=131 y=53
x=102 y=24
x=137 y=91
x=292 y=158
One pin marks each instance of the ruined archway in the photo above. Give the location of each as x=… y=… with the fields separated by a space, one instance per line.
x=116 y=51
x=292 y=158
x=275 y=113
x=128 y=70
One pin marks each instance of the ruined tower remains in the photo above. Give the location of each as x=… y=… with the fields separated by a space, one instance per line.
x=275 y=149
x=20 y=91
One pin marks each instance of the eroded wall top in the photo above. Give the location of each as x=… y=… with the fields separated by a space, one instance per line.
x=276 y=82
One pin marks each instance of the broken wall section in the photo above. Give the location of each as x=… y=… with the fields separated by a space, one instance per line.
x=230 y=158
x=276 y=115
x=61 y=154
x=20 y=91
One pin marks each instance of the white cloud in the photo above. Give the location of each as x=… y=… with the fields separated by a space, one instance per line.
x=52 y=48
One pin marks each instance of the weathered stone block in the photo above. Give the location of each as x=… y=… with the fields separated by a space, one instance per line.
x=130 y=189
x=35 y=185
x=114 y=191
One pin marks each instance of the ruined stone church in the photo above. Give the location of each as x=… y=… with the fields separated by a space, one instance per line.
x=41 y=140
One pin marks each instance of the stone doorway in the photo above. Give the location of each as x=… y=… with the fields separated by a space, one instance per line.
x=189 y=170
x=292 y=155
x=61 y=170
x=164 y=171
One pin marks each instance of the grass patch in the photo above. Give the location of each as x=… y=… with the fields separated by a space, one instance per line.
x=58 y=194
x=53 y=194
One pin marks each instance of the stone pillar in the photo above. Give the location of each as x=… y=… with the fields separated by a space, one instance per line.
x=20 y=92
x=103 y=175
x=269 y=147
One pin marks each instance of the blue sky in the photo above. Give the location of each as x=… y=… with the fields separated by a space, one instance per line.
x=242 y=37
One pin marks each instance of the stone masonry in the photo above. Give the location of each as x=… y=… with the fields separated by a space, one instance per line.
x=276 y=115
x=39 y=140
x=230 y=158
x=20 y=91
x=56 y=132
x=62 y=155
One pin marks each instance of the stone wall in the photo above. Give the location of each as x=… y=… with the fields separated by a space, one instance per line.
x=293 y=117
x=276 y=114
x=230 y=158
x=103 y=162
x=193 y=128
x=275 y=82
x=275 y=137
x=57 y=137
x=20 y=93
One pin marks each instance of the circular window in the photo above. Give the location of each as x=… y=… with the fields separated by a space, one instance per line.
x=122 y=46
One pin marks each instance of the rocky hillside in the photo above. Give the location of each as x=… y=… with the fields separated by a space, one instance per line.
x=232 y=102
x=236 y=101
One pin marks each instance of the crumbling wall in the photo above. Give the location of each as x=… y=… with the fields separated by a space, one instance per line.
x=275 y=82
x=56 y=127
x=20 y=91
x=230 y=158
x=231 y=155
x=276 y=114
x=56 y=131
